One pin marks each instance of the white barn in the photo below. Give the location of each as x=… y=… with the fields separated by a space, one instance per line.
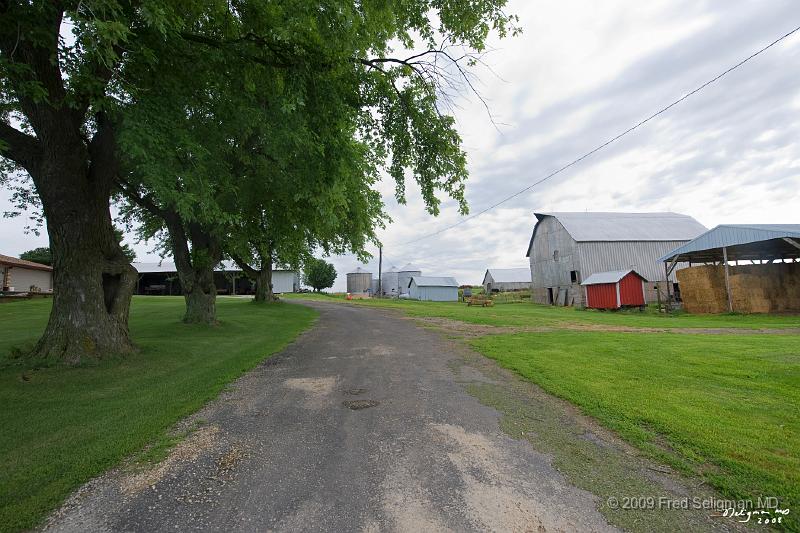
x=433 y=289
x=567 y=248
x=506 y=279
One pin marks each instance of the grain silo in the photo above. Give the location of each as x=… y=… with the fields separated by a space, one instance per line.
x=389 y=282
x=404 y=277
x=359 y=281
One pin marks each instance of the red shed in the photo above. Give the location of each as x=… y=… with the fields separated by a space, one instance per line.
x=612 y=290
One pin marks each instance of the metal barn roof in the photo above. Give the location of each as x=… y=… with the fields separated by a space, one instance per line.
x=628 y=226
x=509 y=275
x=608 y=277
x=433 y=281
x=744 y=242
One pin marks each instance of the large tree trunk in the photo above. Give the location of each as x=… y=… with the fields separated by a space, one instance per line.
x=264 y=279
x=92 y=279
x=195 y=269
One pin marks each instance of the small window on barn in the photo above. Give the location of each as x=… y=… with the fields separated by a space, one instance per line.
x=574 y=276
x=555 y=255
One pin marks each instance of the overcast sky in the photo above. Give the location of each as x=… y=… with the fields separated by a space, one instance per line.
x=581 y=73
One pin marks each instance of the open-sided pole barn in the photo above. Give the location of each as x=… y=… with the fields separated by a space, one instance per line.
x=740 y=267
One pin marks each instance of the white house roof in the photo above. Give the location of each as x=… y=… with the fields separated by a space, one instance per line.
x=608 y=277
x=433 y=281
x=727 y=235
x=509 y=275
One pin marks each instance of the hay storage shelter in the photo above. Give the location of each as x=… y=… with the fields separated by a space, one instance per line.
x=613 y=290
x=433 y=289
x=506 y=279
x=718 y=282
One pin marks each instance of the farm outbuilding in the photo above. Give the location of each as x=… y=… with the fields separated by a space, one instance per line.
x=612 y=290
x=162 y=279
x=567 y=248
x=746 y=268
x=404 y=277
x=433 y=289
x=19 y=275
x=506 y=279
x=389 y=282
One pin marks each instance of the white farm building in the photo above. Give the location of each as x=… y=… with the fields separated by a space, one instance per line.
x=567 y=248
x=433 y=289
x=506 y=279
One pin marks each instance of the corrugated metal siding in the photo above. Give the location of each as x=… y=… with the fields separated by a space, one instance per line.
x=358 y=282
x=602 y=296
x=731 y=235
x=507 y=286
x=434 y=294
x=641 y=256
x=403 y=279
x=283 y=281
x=631 y=291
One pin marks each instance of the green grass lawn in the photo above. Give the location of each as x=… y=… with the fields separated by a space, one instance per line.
x=62 y=426
x=726 y=407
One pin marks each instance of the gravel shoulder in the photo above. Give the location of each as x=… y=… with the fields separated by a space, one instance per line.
x=369 y=422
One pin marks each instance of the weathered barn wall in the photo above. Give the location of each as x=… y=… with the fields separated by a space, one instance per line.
x=771 y=288
x=551 y=270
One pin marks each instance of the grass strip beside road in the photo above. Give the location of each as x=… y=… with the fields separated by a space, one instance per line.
x=724 y=407
x=63 y=426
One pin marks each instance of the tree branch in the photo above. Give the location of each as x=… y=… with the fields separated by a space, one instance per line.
x=20 y=147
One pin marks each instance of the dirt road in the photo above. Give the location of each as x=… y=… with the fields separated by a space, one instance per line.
x=365 y=423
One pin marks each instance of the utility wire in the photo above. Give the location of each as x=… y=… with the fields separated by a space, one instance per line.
x=608 y=142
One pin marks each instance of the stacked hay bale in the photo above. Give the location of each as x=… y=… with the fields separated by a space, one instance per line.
x=768 y=288
x=703 y=289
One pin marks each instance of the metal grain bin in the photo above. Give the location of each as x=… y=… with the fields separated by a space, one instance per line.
x=389 y=281
x=359 y=281
x=405 y=275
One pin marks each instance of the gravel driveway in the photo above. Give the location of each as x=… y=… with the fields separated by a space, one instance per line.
x=363 y=424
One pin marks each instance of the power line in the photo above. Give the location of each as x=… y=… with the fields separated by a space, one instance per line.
x=606 y=143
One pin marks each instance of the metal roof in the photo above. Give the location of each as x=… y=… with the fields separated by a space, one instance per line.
x=599 y=278
x=433 y=281
x=409 y=268
x=509 y=275
x=168 y=267
x=744 y=242
x=360 y=270
x=23 y=263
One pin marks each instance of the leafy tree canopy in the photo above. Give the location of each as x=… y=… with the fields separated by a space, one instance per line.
x=38 y=255
x=319 y=274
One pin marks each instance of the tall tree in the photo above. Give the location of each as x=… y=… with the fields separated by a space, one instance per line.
x=61 y=96
x=67 y=105
x=319 y=274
